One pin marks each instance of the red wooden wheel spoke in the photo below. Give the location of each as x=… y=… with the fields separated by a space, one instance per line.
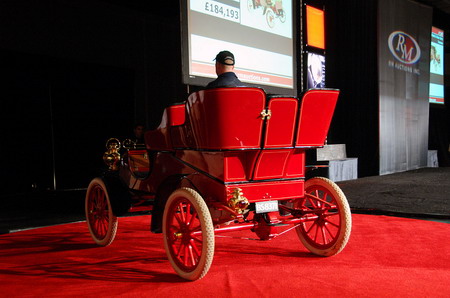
x=96 y=224
x=179 y=217
x=316 y=234
x=194 y=247
x=332 y=235
x=178 y=248
x=319 y=199
x=178 y=251
x=103 y=230
x=311 y=227
x=173 y=228
x=104 y=227
x=332 y=223
x=193 y=218
x=324 y=237
x=181 y=212
x=321 y=233
x=186 y=212
x=191 y=255
x=104 y=214
x=93 y=204
x=190 y=214
x=185 y=255
x=99 y=199
x=313 y=200
x=99 y=228
x=196 y=238
x=195 y=228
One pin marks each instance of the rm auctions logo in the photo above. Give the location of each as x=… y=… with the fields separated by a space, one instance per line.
x=404 y=47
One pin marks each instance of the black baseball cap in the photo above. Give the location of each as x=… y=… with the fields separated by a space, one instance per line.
x=224 y=56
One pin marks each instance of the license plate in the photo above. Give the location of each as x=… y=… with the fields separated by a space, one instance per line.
x=267 y=206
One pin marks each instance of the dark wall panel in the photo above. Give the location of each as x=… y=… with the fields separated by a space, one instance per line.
x=91 y=103
x=352 y=67
x=25 y=130
x=56 y=116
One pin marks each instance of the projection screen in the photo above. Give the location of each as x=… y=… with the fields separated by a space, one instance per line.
x=259 y=33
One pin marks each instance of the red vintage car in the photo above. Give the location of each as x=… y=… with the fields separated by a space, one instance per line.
x=227 y=159
x=271 y=9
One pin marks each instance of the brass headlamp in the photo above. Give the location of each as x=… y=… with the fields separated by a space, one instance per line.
x=112 y=155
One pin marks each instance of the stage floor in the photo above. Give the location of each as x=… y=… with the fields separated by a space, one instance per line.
x=423 y=193
x=385 y=257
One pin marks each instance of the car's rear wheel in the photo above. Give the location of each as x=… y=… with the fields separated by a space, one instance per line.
x=188 y=234
x=328 y=230
x=101 y=221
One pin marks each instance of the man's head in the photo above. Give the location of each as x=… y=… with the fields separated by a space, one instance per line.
x=224 y=62
x=139 y=130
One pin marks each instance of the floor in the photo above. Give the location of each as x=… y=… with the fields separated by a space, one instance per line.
x=381 y=259
x=419 y=193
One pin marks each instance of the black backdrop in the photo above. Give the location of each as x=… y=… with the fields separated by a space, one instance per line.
x=352 y=67
x=75 y=73
x=56 y=116
x=439 y=129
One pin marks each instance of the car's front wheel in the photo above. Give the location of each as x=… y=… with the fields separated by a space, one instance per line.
x=101 y=221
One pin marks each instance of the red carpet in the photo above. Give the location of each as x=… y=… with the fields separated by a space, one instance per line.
x=385 y=257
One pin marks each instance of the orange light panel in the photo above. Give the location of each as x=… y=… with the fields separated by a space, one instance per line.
x=315 y=27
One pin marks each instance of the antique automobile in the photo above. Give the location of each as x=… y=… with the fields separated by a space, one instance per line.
x=271 y=9
x=228 y=159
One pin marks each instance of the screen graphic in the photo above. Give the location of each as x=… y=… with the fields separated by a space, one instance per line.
x=316 y=71
x=258 y=32
x=315 y=27
x=437 y=66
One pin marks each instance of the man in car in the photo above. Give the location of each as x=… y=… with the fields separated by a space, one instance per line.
x=138 y=133
x=224 y=70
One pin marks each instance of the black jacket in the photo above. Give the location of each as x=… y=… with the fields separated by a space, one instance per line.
x=227 y=79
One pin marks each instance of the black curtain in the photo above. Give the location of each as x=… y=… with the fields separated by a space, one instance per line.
x=439 y=129
x=439 y=136
x=352 y=67
x=56 y=116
